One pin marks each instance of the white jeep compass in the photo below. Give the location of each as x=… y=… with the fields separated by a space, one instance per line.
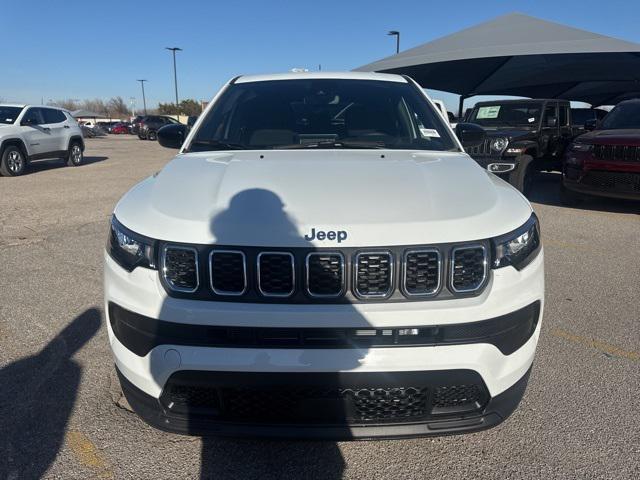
x=29 y=132
x=322 y=259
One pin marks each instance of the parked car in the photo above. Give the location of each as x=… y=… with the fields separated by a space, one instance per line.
x=120 y=128
x=606 y=161
x=523 y=136
x=135 y=124
x=150 y=124
x=585 y=116
x=29 y=133
x=323 y=259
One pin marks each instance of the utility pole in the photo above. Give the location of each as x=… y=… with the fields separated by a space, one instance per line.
x=395 y=33
x=175 y=74
x=144 y=99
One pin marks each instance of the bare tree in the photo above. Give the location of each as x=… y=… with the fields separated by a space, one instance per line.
x=68 y=104
x=117 y=106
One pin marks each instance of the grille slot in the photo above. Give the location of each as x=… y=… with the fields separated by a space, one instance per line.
x=484 y=149
x=276 y=274
x=228 y=272
x=325 y=274
x=180 y=268
x=468 y=268
x=421 y=272
x=373 y=275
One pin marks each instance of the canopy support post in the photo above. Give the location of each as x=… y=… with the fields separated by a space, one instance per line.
x=461 y=107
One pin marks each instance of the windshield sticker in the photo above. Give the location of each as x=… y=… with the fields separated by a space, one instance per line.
x=531 y=120
x=488 y=112
x=429 y=132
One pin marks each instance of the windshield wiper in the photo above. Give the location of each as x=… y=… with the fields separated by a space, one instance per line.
x=333 y=144
x=216 y=145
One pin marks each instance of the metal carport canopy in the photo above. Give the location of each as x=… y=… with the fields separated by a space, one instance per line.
x=524 y=56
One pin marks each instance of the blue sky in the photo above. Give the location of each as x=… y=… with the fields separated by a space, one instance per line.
x=87 y=49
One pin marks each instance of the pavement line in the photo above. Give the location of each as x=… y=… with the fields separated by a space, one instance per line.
x=597 y=344
x=87 y=453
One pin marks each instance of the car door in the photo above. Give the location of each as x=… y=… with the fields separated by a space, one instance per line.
x=565 y=130
x=549 y=133
x=36 y=134
x=58 y=127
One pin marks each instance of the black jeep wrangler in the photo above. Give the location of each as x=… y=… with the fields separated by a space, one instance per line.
x=522 y=136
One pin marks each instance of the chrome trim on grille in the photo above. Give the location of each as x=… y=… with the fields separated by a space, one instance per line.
x=293 y=275
x=343 y=275
x=391 y=276
x=164 y=273
x=432 y=293
x=452 y=266
x=244 y=271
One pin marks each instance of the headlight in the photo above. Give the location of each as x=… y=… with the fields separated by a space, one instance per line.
x=129 y=249
x=518 y=248
x=499 y=144
x=580 y=147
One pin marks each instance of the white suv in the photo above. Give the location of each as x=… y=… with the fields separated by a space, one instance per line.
x=323 y=259
x=35 y=132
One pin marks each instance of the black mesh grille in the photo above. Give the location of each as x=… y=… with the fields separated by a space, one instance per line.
x=228 y=273
x=458 y=398
x=617 y=181
x=388 y=403
x=422 y=272
x=180 y=268
x=276 y=274
x=468 y=268
x=620 y=153
x=325 y=274
x=373 y=274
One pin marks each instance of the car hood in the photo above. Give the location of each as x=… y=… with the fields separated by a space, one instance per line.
x=612 y=137
x=275 y=198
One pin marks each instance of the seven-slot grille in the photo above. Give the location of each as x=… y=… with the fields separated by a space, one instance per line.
x=373 y=275
x=483 y=149
x=228 y=272
x=324 y=276
x=468 y=268
x=421 y=272
x=621 y=153
x=276 y=274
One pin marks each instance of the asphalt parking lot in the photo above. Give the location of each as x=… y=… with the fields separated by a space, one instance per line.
x=61 y=414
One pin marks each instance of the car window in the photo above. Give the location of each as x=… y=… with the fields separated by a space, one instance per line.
x=511 y=114
x=8 y=114
x=53 y=116
x=310 y=113
x=549 y=113
x=579 y=116
x=624 y=115
x=33 y=116
x=564 y=117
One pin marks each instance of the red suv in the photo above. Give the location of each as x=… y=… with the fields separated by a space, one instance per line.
x=605 y=161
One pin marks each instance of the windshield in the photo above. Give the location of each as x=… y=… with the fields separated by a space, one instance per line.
x=511 y=114
x=322 y=113
x=8 y=115
x=624 y=115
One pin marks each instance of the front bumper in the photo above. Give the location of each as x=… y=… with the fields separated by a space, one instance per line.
x=502 y=377
x=603 y=183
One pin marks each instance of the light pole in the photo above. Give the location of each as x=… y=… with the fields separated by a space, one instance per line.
x=175 y=75
x=395 y=33
x=132 y=102
x=144 y=99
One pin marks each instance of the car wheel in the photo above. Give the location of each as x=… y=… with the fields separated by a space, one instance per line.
x=522 y=176
x=75 y=155
x=141 y=136
x=13 y=162
x=151 y=135
x=570 y=198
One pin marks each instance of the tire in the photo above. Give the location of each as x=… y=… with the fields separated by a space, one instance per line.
x=152 y=135
x=522 y=176
x=570 y=198
x=75 y=156
x=12 y=162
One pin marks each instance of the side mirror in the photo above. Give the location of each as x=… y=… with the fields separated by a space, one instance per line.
x=172 y=135
x=470 y=134
x=551 y=122
x=590 y=124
